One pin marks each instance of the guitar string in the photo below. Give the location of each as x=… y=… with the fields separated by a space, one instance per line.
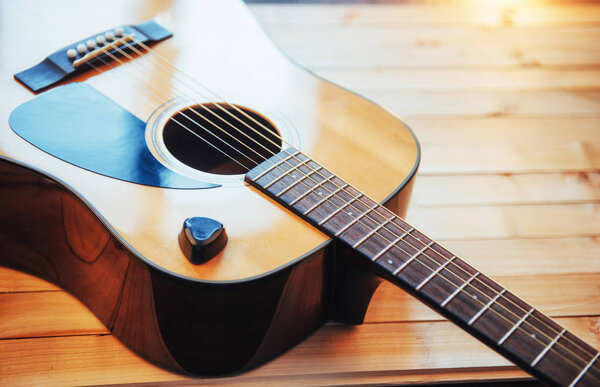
x=148 y=49
x=215 y=115
x=161 y=100
x=215 y=103
x=221 y=100
x=447 y=280
x=378 y=214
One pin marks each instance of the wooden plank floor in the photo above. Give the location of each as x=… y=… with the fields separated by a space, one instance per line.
x=505 y=99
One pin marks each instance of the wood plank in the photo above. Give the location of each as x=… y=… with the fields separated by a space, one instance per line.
x=526 y=221
x=40 y=314
x=508 y=123
x=483 y=103
x=371 y=349
x=555 y=295
x=474 y=13
x=505 y=130
x=491 y=158
x=508 y=144
x=535 y=256
x=371 y=79
x=476 y=190
x=440 y=46
x=17 y=281
x=50 y=314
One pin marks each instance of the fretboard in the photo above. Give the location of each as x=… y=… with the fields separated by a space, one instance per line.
x=421 y=266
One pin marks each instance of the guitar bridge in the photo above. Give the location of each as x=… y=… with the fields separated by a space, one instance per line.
x=76 y=58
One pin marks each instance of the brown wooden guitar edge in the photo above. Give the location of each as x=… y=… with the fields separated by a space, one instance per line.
x=185 y=325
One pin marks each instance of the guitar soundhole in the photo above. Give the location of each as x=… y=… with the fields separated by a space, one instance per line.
x=220 y=139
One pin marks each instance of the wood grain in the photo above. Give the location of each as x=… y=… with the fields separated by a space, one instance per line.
x=556 y=295
x=371 y=79
x=507 y=189
x=439 y=46
x=510 y=130
x=363 y=351
x=520 y=221
x=493 y=60
x=487 y=103
x=432 y=13
x=59 y=314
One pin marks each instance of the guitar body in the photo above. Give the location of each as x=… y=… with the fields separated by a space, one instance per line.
x=114 y=244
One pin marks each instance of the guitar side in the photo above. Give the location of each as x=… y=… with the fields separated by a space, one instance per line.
x=178 y=323
x=268 y=289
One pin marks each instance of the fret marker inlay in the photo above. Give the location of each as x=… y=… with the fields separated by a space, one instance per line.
x=459 y=289
x=289 y=170
x=392 y=244
x=474 y=318
x=334 y=213
x=363 y=239
x=541 y=355
x=298 y=181
x=275 y=165
x=355 y=220
x=408 y=261
x=514 y=327
x=320 y=201
x=439 y=269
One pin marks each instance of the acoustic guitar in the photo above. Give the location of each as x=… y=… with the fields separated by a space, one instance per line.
x=212 y=203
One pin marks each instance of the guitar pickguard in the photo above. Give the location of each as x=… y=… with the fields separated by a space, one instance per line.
x=78 y=124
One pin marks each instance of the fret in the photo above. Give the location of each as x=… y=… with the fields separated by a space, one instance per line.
x=339 y=209
x=541 y=355
x=355 y=220
x=436 y=272
x=398 y=270
x=331 y=194
x=474 y=318
x=275 y=166
x=388 y=247
x=459 y=289
x=287 y=173
x=307 y=191
x=583 y=371
x=514 y=327
x=361 y=241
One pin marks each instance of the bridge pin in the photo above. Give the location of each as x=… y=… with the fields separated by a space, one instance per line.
x=71 y=53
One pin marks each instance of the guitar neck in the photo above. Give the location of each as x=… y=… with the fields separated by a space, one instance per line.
x=414 y=262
